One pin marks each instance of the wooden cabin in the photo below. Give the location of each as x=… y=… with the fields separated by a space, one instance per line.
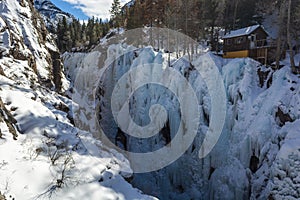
x=252 y=41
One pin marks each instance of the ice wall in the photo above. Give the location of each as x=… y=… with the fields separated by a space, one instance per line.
x=242 y=164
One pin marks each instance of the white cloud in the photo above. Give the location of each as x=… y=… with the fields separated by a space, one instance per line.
x=97 y=8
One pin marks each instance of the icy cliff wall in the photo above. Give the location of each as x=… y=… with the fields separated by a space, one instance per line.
x=258 y=137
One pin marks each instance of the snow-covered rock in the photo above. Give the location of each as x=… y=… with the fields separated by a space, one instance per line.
x=23 y=36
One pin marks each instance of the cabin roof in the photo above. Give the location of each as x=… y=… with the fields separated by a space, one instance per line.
x=241 y=32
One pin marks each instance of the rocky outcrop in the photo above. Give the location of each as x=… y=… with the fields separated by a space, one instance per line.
x=282 y=117
x=6 y=116
x=2 y=197
x=29 y=40
x=57 y=67
x=1 y=71
x=265 y=76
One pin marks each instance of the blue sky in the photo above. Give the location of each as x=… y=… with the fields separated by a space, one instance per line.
x=83 y=9
x=67 y=7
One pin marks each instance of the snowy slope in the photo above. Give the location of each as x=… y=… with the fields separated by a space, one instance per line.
x=128 y=5
x=257 y=155
x=42 y=154
x=32 y=166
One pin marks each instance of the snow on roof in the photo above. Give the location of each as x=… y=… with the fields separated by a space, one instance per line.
x=241 y=32
x=130 y=3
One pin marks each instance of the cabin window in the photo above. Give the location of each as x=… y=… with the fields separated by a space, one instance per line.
x=228 y=41
x=239 y=40
x=252 y=38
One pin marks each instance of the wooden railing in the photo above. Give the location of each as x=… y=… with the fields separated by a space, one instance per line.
x=265 y=43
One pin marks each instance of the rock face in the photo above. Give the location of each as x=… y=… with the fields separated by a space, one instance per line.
x=257 y=155
x=57 y=68
x=11 y=122
x=50 y=13
x=24 y=37
x=2 y=197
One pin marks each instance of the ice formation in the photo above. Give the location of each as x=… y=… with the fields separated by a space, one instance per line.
x=255 y=157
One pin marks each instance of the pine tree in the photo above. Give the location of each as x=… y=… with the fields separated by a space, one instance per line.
x=116 y=14
x=279 y=49
x=98 y=28
x=83 y=33
x=212 y=18
x=64 y=41
x=59 y=33
x=90 y=31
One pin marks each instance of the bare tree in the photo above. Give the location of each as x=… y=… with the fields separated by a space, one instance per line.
x=66 y=166
x=282 y=11
x=289 y=40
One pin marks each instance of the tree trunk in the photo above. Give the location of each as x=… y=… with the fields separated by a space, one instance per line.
x=235 y=13
x=280 y=32
x=289 y=40
x=212 y=41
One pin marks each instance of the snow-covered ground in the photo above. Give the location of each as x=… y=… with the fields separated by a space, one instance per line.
x=42 y=154
x=32 y=166
x=50 y=147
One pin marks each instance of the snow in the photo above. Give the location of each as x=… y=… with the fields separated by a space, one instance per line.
x=27 y=173
x=286 y=61
x=48 y=147
x=12 y=11
x=251 y=127
x=130 y=3
x=31 y=166
x=5 y=40
x=241 y=32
